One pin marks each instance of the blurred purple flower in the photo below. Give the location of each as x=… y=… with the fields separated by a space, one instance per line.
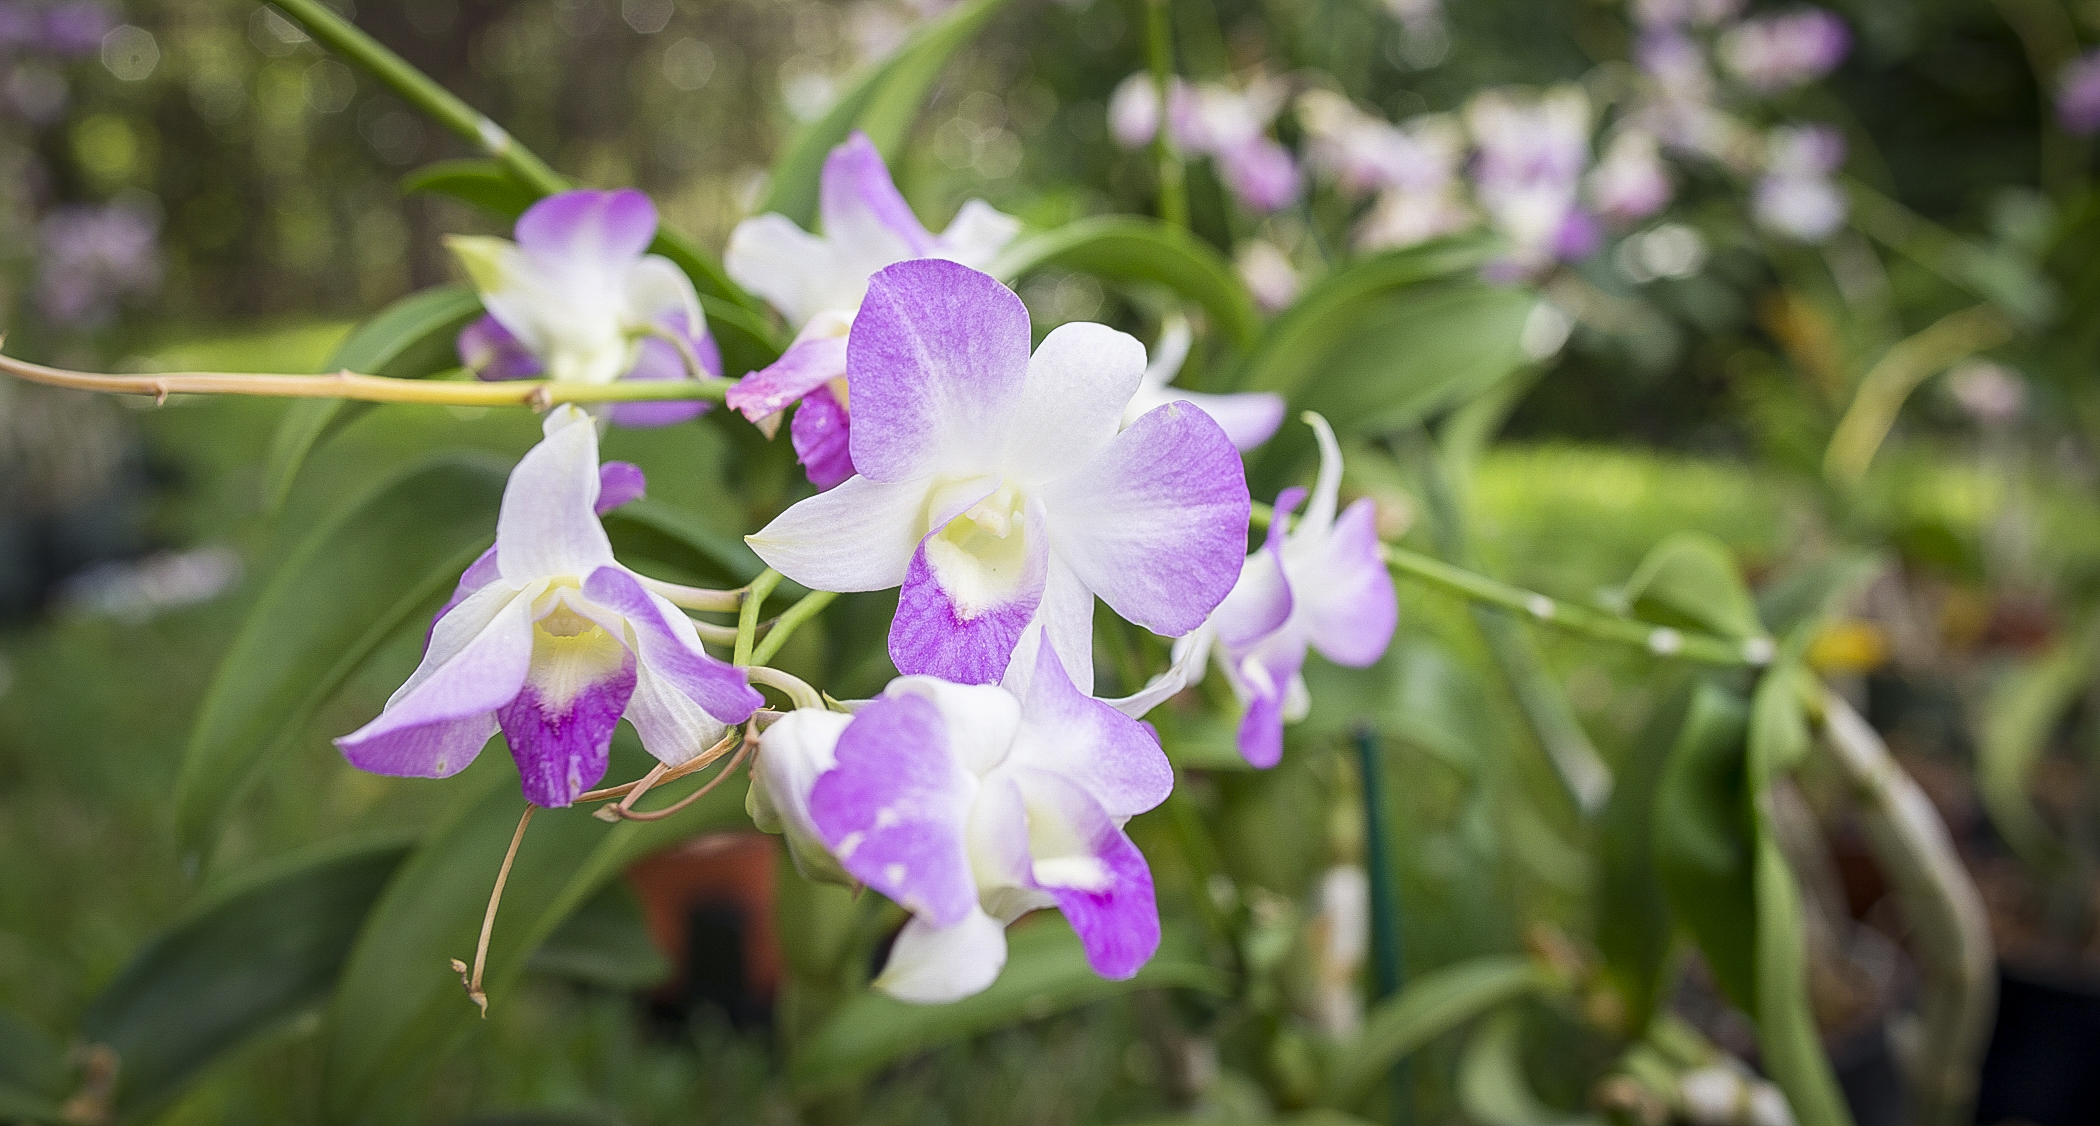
x=19 y=25
x=2078 y=95
x=1679 y=13
x=1797 y=198
x=1630 y=183
x=1228 y=125
x=90 y=256
x=1527 y=171
x=1774 y=54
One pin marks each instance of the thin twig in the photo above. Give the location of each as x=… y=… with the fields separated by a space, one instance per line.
x=672 y=810
x=698 y=762
x=488 y=920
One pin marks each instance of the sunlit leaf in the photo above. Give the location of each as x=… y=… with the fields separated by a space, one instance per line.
x=387 y=557
x=1430 y=1006
x=1046 y=972
x=883 y=104
x=264 y=950
x=1127 y=248
x=413 y=338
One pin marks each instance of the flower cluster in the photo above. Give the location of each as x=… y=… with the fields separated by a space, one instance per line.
x=1228 y=125
x=1002 y=488
x=93 y=256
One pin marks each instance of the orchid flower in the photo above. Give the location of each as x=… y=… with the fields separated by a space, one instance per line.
x=1229 y=126
x=1321 y=586
x=1412 y=166
x=577 y=297
x=1248 y=418
x=1630 y=183
x=1000 y=490
x=971 y=805
x=1774 y=54
x=553 y=642
x=1531 y=153
x=1796 y=197
x=817 y=283
x=1267 y=273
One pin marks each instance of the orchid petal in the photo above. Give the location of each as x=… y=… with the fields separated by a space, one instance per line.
x=589 y=226
x=822 y=434
x=658 y=360
x=794 y=271
x=1266 y=677
x=859 y=536
x=1097 y=876
x=894 y=807
x=981 y=719
x=933 y=965
x=659 y=293
x=961 y=612
x=977 y=234
x=669 y=647
x=1344 y=592
x=547 y=525
x=1066 y=620
x=861 y=208
x=437 y=722
x=1188 y=658
x=1248 y=418
x=560 y=734
x=793 y=752
x=1110 y=755
x=1327 y=487
x=937 y=360
x=809 y=363
x=1156 y=525
x=1072 y=400
x=619 y=483
x=494 y=353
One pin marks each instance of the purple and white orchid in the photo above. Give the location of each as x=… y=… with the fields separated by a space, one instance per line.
x=1774 y=54
x=817 y=282
x=578 y=297
x=1001 y=491
x=1413 y=166
x=1322 y=586
x=971 y=805
x=1207 y=119
x=1527 y=173
x=551 y=641
x=1797 y=197
x=1248 y=418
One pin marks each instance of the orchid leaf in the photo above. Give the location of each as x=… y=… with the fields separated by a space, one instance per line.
x=388 y=556
x=605 y=943
x=413 y=338
x=1704 y=851
x=1430 y=1006
x=1492 y=1084
x=1690 y=580
x=1046 y=972
x=258 y=953
x=2020 y=713
x=482 y=183
x=1633 y=919
x=33 y=1072
x=399 y=1008
x=883 y=104
x=1126 y=248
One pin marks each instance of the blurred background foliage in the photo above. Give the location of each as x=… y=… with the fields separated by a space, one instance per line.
x=194 y=184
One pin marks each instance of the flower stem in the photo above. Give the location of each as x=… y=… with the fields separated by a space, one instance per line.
x=789 y=621
x=539 y=394
x=693 y=597
x=1159 y=53
x=747 y=615
x=1663 y=641
x=475 y=992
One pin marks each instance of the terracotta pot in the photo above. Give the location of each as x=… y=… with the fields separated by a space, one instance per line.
x=709 y=905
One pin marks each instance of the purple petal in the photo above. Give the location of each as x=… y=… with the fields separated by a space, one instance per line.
x=946 y=627
x=1097 y=876
x=894 y=808
x=821 y=431
x=1105 y=752
x=1344 y=592
x=861 y=207
x=1261 y=173
x=436 y=724
x=808 y=364
x=561 y=746
x=619 y=483
x=494 y=353
x=1157 y=525
x=936 y=362
x=609 y=227
x=658 y=360
x=1267 y=679
x=670 y=652
x=548 y=525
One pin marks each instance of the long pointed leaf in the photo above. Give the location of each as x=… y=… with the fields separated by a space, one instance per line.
x=388 y=556
x=1435 y=1003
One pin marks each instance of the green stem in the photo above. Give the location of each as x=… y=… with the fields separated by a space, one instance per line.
x=1387 y=964
x=478 y=129
x=790 y=621
x=747 y=614
x=1159 y=53
x=1597 y=624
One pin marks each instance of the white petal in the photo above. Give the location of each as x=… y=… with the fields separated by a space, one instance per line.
x=1079 y=380
x=858 y=536
x=978 y=234
x=981 y=718
x=1319 y=515
x=656 y=289
x=791 y=754
x=933 y=965
x=779 y=261
x=548 y=525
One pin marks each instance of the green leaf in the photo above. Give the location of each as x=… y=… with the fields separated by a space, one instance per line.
x=605 y=943
x=1416 y=692
x=399 y=1008
x=2020 y=713
x=482 y=183
x=1703 y=839
x=883 y=105
x=258 y=953
x=1690 y=581
x=1127 y=248
x=1792 y=1048
x=1299 y=344
x=413 y=338
x=388 y=556
x=1492 y=1086
x=1433 y=1004
x=1633 y=920
x=1046 y=972
x=1803 y=598
x=33 y=1072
